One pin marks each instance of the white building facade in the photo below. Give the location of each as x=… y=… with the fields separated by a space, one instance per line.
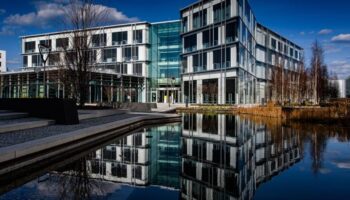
x=3 y=66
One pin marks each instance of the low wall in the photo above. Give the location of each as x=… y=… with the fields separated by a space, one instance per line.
x=63 y=111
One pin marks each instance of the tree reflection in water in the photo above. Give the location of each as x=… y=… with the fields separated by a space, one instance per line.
x=73 y=181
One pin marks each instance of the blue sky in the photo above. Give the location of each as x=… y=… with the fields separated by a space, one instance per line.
x=302 y=21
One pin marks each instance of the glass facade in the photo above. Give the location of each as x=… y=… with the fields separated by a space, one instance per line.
x=164 y=72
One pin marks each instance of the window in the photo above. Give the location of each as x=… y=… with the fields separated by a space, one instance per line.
x=137 y=36
x=200 y=19
x=200 y=62
x=122 y=68
x=62 y=43
x=99 y=40
x=273 y=43
x=291 y=50
x=130 y=53
x=184 y=24
x=45 y=43
x=25 y=61
x=119 y=38
x=109 y=55
x=54 y=59
x=190 y=43
x=36 y=61
x=231 y=32
x=222 y=58
x=217 y=12
x=137 y=69
x=29 y=47
x=137 y=172
x=279 y=46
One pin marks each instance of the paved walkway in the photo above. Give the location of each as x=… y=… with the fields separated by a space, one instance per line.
x=17 y=137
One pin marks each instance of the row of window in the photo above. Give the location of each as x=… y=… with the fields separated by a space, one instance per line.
x=221 y=59
x=234 y=31
x=283 y=48
x=221 y=11
x=97 y=40
x=108 y=56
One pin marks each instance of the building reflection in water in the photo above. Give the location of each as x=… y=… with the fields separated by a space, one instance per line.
x=225 y=156
x=149 y=157
x=204 y=157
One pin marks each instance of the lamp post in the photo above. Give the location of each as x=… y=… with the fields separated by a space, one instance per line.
x=44 y=48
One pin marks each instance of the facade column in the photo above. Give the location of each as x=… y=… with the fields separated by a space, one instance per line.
x=18 y=85
x=221 y=90
x=199 y=91
x=28 y=85
x=101 y=89
x=112 y=90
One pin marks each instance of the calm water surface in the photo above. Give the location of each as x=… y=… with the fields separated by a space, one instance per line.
x=205 y=157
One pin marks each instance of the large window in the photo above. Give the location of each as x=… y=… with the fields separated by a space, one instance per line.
x=46 y=43
x=54 y=59
x=25 y=61
x=29 y=47
x=231 y=32
x=200 y=19
x=184 y=24
x=109 y=55
x=137 y=69
x=222 y=11
x=210 y=37
x=190 y=91
x=190 y=43
x=119 y=38
x=62 y=43
x=200 y=62
x=130 y=53
x=122 y=68
x=137 y=36
x=273 y=43
x=210 y=91
x=36 y=61
x=99 y=40
x=222 y=58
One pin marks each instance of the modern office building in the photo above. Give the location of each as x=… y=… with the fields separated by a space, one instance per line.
x=125 y=64
x=216 y=54
x=3 y=67
x=227 y=55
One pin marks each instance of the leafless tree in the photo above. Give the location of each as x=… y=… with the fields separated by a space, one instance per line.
x=78 y=59
x=319 y=74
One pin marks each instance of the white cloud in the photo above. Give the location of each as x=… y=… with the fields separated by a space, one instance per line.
x=47 y=13
x=341 y=38
x=325 y=31
x=341 y=68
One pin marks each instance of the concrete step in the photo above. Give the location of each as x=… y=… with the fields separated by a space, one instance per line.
x=25 y=125
x=12 y=115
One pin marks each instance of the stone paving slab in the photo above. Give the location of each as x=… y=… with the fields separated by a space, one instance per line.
x=30 y=147
x=12 y=115
x=17 y=137
x=4 y=128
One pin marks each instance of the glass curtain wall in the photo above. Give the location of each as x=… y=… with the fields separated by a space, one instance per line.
x=164 y=72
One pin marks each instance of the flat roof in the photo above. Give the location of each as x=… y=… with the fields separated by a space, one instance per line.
x=279 y=35
x=94 y=28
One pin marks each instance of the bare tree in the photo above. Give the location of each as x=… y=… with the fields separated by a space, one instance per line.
x=79 y=60
x=319 y=74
